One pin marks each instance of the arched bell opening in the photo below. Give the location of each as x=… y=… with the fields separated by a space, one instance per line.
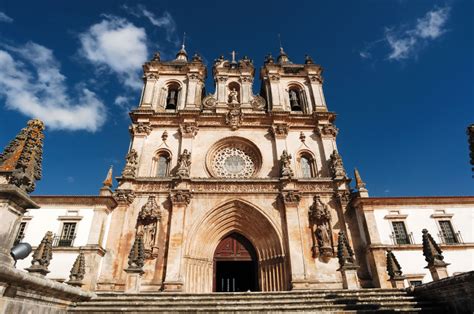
x=235 y=265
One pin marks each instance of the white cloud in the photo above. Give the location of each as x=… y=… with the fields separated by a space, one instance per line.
x=36 y=88
x=166 y=21
x=118 y=45
x=405 y=42
x=5 y=18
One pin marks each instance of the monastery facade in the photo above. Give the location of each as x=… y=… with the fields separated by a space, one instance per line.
x=233 y=191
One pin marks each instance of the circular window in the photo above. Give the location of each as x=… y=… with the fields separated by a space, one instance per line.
x=234 y=158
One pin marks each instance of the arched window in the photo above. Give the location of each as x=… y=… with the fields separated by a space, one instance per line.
x=162 y=164
x=296 y=100
x=307 y=167
x=172 y=97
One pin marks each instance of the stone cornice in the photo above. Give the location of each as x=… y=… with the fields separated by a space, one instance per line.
x=18 y=196
x=252 y=119
x=418 y=247
x=88 y=200
x=414 y=200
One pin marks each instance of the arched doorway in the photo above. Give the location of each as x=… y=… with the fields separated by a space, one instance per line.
x=235 y=265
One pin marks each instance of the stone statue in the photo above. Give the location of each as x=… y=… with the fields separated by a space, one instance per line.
x=322 y=236
x=320 y=219
x=147 y=226
x=184 y=164
x=336 y=166
x=233 y=96
x=130 y=164
x=286 y=171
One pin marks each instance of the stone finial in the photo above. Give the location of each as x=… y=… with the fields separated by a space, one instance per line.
x=108 y=179
x=286 y=171
x=20 y=162
x=184 y=164
x=131 y=161
x=42 y=255
x=336 y=166
x=431 y=251
x=308 y=60
x=136 y=258
x=78 y=271
x=344 y=251
x=393 y=267
x=359 y=183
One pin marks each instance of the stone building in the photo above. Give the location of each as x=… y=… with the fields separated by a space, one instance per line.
x=233 y=191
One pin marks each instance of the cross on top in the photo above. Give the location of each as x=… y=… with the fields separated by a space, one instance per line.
x=233 y=53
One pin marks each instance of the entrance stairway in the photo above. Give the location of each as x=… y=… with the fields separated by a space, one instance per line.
x=340 y=301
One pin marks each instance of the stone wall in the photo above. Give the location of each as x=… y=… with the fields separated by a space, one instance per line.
x=456 y=292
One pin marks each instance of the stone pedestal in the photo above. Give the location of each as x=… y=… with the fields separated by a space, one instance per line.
x=438 y=272
x=133 y=280
x=398 y=282
x=13 y=204
x=349 y=277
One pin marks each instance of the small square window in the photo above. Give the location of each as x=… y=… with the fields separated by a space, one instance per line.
x=68 y=234
x=416 y=282
x=20 y=234
x=447 y=232
x=400 y=234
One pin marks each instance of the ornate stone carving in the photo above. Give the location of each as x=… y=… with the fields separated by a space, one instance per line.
x=291 y=197
x=220 y=187
x=280 y=130
x=188 y=130
x=209 y=102
x=181 y=197
x=431 y=251
x=78 y=271
x=147 y=227
x=234 y=117
x=344 y=251
x=336 y=167
x=343 y=197
x=136 y=257
x=20 y=162
x=302 y=137
x=142 y=127
x=124 y=196
x=258 y=102
x=151 y=76
x=42 y=255
x=320 y=221
x=164 y=136
x=393 y=267
x=234 y=161
x=184 y=164
x=285 y=160
x=328 y=130
x=131 y=161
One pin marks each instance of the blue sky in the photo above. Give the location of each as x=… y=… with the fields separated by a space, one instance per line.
x=399 y=74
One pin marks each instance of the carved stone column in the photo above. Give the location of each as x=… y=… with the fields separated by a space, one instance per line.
x=174 y=276
x=291 y=199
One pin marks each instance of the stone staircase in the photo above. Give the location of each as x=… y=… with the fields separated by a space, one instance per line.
x=340 y=301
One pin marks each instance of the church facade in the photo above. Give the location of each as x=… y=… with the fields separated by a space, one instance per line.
x=233 y=191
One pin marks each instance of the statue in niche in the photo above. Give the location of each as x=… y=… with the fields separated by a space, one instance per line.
x=184 y=164
x=320 y=222
x=233 y=96
x=130 y=164
x=286 y=171
x=147 y=227
x=336 y=166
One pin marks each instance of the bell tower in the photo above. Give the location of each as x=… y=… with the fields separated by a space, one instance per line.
x=173 y=85
x=292 y=87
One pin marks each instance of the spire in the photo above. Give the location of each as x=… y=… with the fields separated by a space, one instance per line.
x=393 y=267
x=359 y=183
x=283 y=57
x=78 y=271
x=42 y=255
x=108 y=179
x=345 y=253
x=105 y=190
x=136 y=258
x=431 y=251
x=20 y=162
x=182 y=55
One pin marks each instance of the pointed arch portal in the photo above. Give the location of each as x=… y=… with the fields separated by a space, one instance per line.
x=245 y=234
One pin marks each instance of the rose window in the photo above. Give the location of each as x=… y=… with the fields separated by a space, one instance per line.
x=234 y=158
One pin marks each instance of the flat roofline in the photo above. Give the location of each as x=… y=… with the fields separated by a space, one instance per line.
x=88 y=200
x=415 y=200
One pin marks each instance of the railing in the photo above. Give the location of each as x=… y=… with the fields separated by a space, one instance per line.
x=399 y=240
x=455 y=239
x=59 y=241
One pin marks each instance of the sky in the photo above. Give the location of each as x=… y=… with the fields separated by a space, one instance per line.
x=398 y=73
